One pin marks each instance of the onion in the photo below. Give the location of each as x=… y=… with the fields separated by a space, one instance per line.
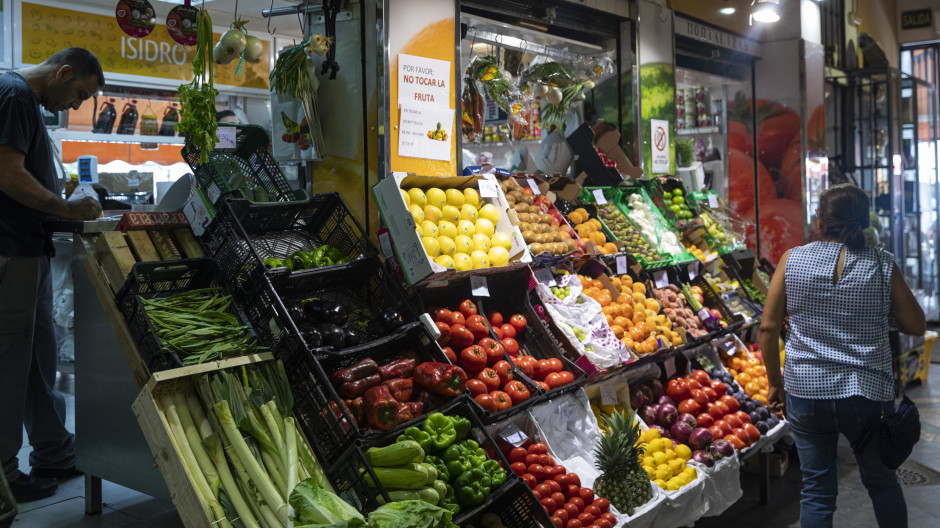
x=700 y=438
x=703 y=457
x=688 y=419
x=661 y=429
x=588 y=85
x=666 y=415
x=539 y=90
x=234 y=41
x=221 y=56
x=665 y=400
x=715 y=452
x=637 y=397
x=554 y=95
x=254 y=48
x=681 y=431
x=656 y=387
x=647 y=414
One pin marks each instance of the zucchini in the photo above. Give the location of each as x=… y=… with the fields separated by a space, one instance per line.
x=404 y=452
x=408 y=476
x=429 y=495
x=400 y=495
x=432 y=471
x=441 y=487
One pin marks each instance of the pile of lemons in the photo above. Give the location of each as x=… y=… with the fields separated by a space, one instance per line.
x=665 y=464
x=457 y=230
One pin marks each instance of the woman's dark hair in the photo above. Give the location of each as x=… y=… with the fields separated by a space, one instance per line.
x=222 y=114
x=843 y=215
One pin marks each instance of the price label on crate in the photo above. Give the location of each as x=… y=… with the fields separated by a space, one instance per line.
x=545 y=276
x=727 y=345
x=661 y=279
x=534 y=186
x=488 y=188
x=621 y=264
x=609 y=394
x=693 y=270
x=478 y=286
x=713 y=201
x=670 y=367
x=599 y=197
x=385 y=242
x=226 y=137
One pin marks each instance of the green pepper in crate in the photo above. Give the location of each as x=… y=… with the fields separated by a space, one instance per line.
x=449 y=502
x=442 y=472
x=413 y=433
x=496 y=472
x=461 y=426
x=273 y=262
x=457 y=460
x=472 y=487
x=441 y=429
x=474 y=453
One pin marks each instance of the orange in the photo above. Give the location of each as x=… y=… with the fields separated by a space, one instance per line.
x=611 y=249
x=598 y=238
x=639 y=287
x=604 y=298
x=622 y=321
x=616 y=282
x=624 y=298
x=628 y=342
x=609 y=319
x=618 y=330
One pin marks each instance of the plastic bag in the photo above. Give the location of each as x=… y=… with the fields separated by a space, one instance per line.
x=722 y=484
x=554 y=154
x=499 y=86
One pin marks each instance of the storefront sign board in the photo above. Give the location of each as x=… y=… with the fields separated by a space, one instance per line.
x=723 y=39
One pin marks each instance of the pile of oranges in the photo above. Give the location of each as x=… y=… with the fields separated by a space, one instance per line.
x=590 y=229
x=633 y=317
x=749 y=372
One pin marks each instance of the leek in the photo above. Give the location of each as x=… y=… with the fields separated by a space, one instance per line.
x=291 y=454
x=195 y=443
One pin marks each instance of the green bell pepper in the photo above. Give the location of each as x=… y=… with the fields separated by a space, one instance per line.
x=413 y=433
x=449 y=502
x=456 y=460
x=441 y=429
x=496 y=472
x=442 y=472
x=333 y=254
x=472 y=487
x=273 y=262
x=301 y=260
x=474 y=453
x=461 y=426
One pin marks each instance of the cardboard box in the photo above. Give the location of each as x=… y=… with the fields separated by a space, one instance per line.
x=607 y=139
x=413 y=261
x=566 y=188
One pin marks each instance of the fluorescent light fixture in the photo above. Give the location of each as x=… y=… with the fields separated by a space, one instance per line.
x=766 y=11
x=727 y=10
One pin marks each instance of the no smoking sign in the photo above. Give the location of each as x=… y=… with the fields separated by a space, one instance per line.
x=659 y=134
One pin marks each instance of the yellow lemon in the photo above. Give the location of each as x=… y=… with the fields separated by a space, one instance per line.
x=469 y=212
x=419 y=231
x=431 y=246
x=466 y=227
x=502 y=240
x=471 y=196
x=498 y=256
x=673 y=484
x=418 y=197
x=450 y=213
x=676 y=465
x=436 y=197
x=690 y=472
x=429 y=228
x=432 y=213
x=445 y=261
x=455 y=198
x=417 y=212
x=480 y=260
x=652 y=434
x=485 y=227
x=448 y=247
x=670 y=454
x=649 y=461
x=662 y=473
x=660 y=458
x=447 y=229
x=480 y=242
x=406 y=197
x=660 y=482
x=489 y=212
x=650 y=471
x=462 y=262
x=683 y=451
x=654 y=447
x=464 y=244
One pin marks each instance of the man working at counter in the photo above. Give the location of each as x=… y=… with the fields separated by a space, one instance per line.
x=29 y=195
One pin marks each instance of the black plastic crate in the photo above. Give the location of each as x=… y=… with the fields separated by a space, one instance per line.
x=516 y=507
x=161 y=279
x=348 y=473
x=713 y=300
x=243 y=234
x=251 y=158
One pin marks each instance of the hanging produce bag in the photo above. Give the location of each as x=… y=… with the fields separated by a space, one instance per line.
x=291 y=140
x=288 y=81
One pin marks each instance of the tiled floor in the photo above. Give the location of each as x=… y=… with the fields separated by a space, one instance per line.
x=127 y=508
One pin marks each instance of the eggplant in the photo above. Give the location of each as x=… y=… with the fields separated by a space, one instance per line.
x=333 y=336
x=297 y=314
x=312 y=337
x=353 y=337
x=392 y=319
x=326 y=312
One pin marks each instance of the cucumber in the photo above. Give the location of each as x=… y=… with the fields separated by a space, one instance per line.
x=409 y=476
x=429 y=495
x=404 y=452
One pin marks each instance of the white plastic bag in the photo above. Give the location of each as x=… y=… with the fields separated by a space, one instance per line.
x=722 y=486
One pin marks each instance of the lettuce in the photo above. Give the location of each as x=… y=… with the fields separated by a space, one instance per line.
x=316 y=506
x=411 y=514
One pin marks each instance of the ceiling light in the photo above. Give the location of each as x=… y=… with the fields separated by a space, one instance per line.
x=766 y=11
x=727 y=10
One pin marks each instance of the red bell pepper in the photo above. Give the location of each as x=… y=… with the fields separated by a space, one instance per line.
x=354 y=406
x=399 y=368
x=365 y=368
x=428 y=400
x=440 y=378
x=417 y=408
x=353 y=389
x=400 y=388
x=381 y=409
x=404 y=413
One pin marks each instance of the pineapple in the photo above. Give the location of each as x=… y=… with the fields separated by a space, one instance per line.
x=623 y=482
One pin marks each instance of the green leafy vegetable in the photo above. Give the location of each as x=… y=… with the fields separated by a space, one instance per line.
x=411 y=514
x=197 y=99
x=315 y=505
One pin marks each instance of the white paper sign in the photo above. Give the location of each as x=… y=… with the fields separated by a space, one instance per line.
x=418 y=138
x=599 y=197
x=385 y=242
x=700 y=174
x=226 y=137
x=534 y=186
x=423 y=81
x=621 y=264
x=713 y=201
x=478 y=286
x=488 y=189
x=659 y=143
x=670 y=367
x=693 y=270
x=544 y=276
x=608 y=394
x=661 y=278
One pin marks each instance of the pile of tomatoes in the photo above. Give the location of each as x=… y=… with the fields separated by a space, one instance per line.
x=713 y=408
x=560 y=492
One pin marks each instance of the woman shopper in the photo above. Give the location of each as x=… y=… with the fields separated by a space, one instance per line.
x=838 y=378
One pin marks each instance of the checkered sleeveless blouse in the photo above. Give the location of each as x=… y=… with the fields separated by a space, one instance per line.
x=838 y=344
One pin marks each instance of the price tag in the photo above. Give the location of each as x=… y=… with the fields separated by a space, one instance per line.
x=693 y=270
x=226 y=137
x=599 y=196
x=478 y=286
x=385 y=242
x=488 y=188
x=534 y=186
x=661 y=279
x=670 y=367
x=621 y=264
x=608 y=394
x=713 y=201
x=545 y=276
x=727 y=345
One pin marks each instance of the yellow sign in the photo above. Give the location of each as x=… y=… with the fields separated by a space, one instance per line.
x=47 y=30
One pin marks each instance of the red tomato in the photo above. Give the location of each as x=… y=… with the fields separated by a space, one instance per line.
x=478 y=387
x=740 y=137
x=531 y=458
x=742 y=434
x=518 y=454
x=710 y=393
x=722 y=406
x=574 y=479
x=537 y=496
x=566 y=377
x=700 y=376
x=493 y=348
x=715 y=411
x=508 y=330
x=602 y=523
x=572 y=510
x=752 y=432
x=473 y=359
x=543 y=367
x=444 y=329
x=543 y=488
x=789 y=181
x=498 y=332
x=518 y=468
x=774 y=134
x=460 y=336
x=503 y=401
x=558 y=522
x=451 y=355
x=495 y=318
x=574 y=523
x=504 y=370
x=716 y=430
x=529 y=480
x=490 y=378
x=781 y=228
x=555 y=486
x=467 y=308
x=730 y=402
x=557 y=365
x=488 y=402
x=573 y=490
x=741 y=183
x=554 y=380
x=725 y=428
x=546 y=460
x=586 y=519
x=561 y=514
x=735 y=441
x=719 y=387
x=518 y=322
x=544 y=386
x=560 y=470
x=577 y=501
x=526 y=364
x=510 y=344
x=689 y=406
x=538 y=448
x=562 y=480
x=692 y=384
x=677 y=389
x=517 y=391
x=602 y=504
x=733 y=421
x=458 y=318
x=609 y=516
x=558 y=497
x=741 y=415
x=704 y=420
x=587 y=495
x=478 y=326
x=443 y=315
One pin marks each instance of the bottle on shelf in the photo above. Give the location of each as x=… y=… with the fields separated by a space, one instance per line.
x=104 y=122
x=170 y=118
x=128 y=118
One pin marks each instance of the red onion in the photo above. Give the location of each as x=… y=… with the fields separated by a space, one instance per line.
x=703 y=457
x=666 y=415
x=700 y=438
x=688 y=418
x=681 y=431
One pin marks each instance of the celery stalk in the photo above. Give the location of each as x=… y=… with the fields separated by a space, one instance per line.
x=195 y=443
x=310 y=461
x=291 y=453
